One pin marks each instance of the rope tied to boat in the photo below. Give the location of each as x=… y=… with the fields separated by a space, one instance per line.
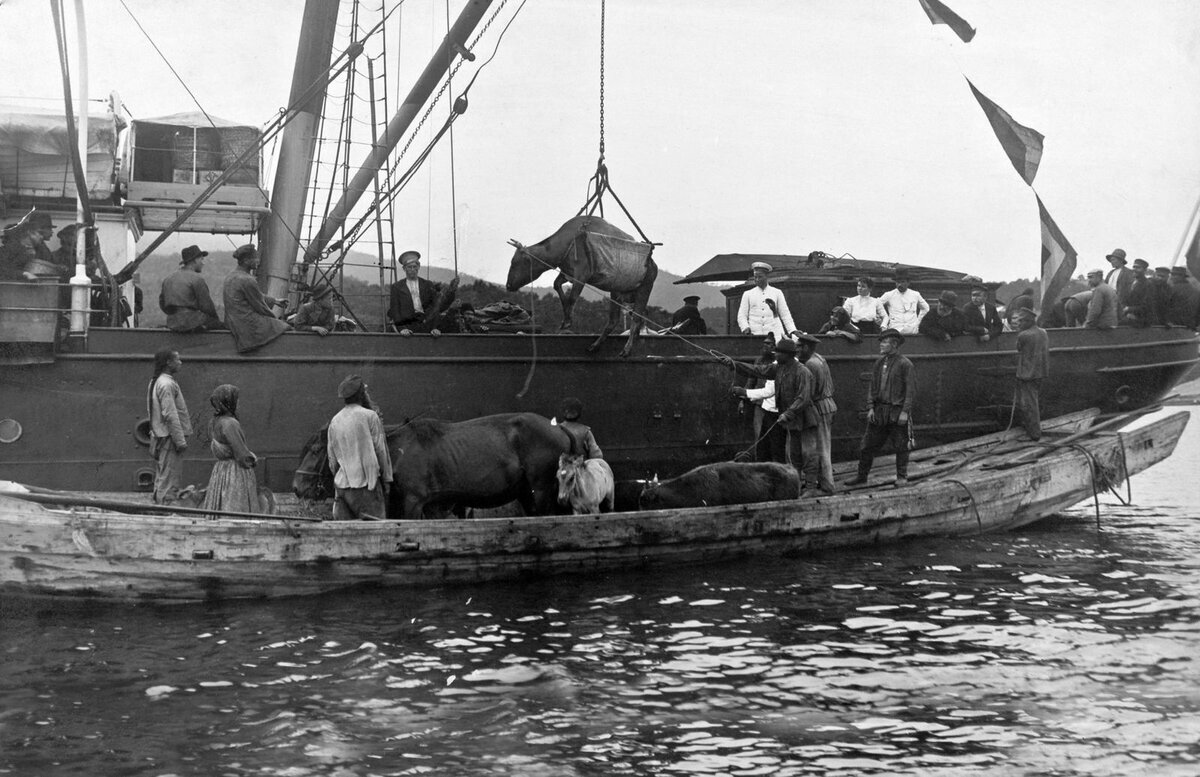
x=971 y=496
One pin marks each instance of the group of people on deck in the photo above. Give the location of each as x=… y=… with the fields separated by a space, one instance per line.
x=1131 y=296
x=792 y=387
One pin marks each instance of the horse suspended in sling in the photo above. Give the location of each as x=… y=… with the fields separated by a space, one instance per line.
x=589 y=250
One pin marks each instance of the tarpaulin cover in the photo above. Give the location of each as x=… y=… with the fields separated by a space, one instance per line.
x=35 y=154
x=619 y=262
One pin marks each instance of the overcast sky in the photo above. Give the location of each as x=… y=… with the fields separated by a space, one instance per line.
x=748 y=126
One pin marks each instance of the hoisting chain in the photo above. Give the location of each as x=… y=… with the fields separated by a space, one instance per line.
x=602 y=19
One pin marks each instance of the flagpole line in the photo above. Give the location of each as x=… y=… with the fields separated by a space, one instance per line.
x=1188 y=231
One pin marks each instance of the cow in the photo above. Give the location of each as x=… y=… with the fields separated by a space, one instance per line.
x=587 y=485
x=441 y=465
x=724 y=483
x=627 y=271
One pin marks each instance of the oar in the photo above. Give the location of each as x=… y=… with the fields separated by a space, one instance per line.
x=48 y=497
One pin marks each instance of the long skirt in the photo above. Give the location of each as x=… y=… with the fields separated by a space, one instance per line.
x=233 y=488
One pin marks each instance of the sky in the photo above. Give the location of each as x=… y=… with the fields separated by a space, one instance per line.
x=755 y=126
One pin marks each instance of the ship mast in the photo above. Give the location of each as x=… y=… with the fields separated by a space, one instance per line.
x=279 y=235
x=454 y=43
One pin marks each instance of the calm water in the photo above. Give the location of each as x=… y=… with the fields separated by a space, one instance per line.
x=1054 y=651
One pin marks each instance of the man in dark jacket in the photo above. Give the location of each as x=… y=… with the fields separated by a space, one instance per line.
x=946 y=322
x=185 y=297
x=982 y=318
x=1119 y=277
x=687 y=320
x=889 y=408
x=1183 y=306
x=412 y=298
x=1140 y=309
x=1033 y=365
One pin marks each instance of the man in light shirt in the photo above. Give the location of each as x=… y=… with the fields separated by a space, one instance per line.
x=905 y=307
x=866 y=312
x=763 y=308
x=358 y=456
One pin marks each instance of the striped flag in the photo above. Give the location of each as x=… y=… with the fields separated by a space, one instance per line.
x=1022 y=144
x=1058 y=259
x=938 y=13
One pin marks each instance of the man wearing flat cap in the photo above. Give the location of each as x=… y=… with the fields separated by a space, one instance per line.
x=1120 y=277
x=794 y=399
x=247 y=310
x=358 y=456
x=1102 y=308
x=42 y=264
x=687 y=320
x=945 y=323
x=981 y=317
x=1140 y=307
x=1033 y=365
x=185 y=298
x=1183 y=303
x=905 y=307
x=763 y=308
x=414 y=299
x=889 y=409
x=317 y=314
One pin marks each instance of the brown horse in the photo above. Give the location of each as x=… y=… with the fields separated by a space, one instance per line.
x=589 y=250
x=439 y=465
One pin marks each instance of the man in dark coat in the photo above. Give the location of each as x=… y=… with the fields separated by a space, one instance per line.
x=1140 y=309
x=982 y=318
x=1033 y=365
x=946 y=322
x=1160 y=289
x=247 y=310
x=687 y=320
x=889 y=408
x=185 y=297
x=317 y=314
x=1183 y=305
x=413 y=297
x=1119 y=277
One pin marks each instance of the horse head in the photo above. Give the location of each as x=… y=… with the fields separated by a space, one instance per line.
x=313 y=478
x=568 y=475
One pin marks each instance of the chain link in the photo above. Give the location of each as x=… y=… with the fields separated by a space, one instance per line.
x=602 y=20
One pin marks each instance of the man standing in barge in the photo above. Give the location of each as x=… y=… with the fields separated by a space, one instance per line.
x=170 y=426
x=889 y=408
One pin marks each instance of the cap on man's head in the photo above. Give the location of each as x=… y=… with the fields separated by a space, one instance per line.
x=805 y=337
x=40 y=219
x=1141 y=263
x=192 y=253
x=691 y=300
x=241 y=252
x=948 y=298
x=891 y=334
x=785 y=346
x=320 y=290
x=979 y=288
x=1118 y=253
x=1095 y=274
x=350 y=386
x=408 y=257
x=1162 y=270
x=570 y=408
x=761 y=266
x=1026 y=312
x=1179 y=271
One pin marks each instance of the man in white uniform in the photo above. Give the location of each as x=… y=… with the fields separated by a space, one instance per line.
x=764 y=308
x=905 y=307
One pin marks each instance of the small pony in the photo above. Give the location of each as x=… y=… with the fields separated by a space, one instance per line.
x=585 y=484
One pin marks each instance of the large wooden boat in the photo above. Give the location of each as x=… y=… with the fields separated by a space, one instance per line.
x=61 y=544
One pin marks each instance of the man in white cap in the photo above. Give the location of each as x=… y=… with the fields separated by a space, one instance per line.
x=358 y=456
x=763 y=308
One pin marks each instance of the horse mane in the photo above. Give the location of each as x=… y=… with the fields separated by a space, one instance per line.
x=424 y=430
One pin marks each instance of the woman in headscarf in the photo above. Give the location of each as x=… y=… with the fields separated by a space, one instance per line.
x=232 y=485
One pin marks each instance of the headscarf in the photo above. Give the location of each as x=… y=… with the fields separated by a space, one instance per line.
x=224 y=400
